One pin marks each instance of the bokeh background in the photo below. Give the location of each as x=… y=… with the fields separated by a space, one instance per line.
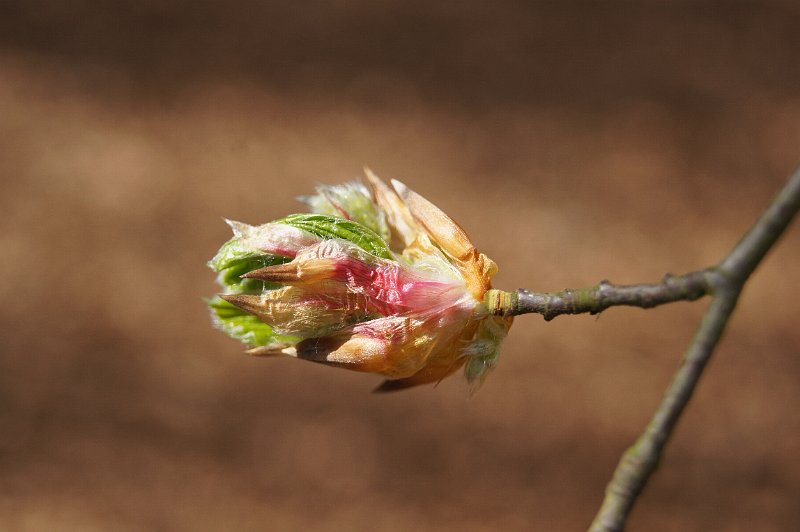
x=575 y=141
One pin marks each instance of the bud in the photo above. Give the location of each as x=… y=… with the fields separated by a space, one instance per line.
x=375 y=279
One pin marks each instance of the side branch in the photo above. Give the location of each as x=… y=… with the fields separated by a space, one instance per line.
x=596 y=299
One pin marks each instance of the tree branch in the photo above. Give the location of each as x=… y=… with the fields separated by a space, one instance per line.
x=641 y=459
x=597 y=298
x=751 y=249
x=724 y=282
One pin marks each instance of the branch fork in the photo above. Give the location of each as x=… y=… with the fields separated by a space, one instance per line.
x=723 y=282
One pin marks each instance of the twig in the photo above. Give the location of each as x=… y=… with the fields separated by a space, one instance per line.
x=724 y=282
x=641 y=459
x=598 y=298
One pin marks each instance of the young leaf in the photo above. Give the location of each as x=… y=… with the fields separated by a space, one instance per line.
x=231 y=252
x=230 y=278
x=351 y=201
x=325 y=226
x=242 y=326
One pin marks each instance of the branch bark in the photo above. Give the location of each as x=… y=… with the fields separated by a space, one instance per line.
x=724 y=282
x=598 y=298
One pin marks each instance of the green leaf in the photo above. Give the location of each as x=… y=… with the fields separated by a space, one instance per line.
x=352 y=201
x=242 y=326
x=230 y=277
x=231 y=252
x=325 y=226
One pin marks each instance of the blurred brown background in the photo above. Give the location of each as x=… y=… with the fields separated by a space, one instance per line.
x=575 y=141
